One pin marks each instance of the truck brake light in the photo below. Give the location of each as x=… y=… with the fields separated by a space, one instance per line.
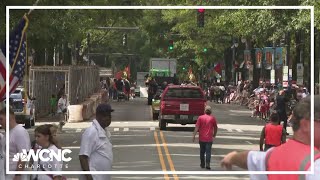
x=162 y=105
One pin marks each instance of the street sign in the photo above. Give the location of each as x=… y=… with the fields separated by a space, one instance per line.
x=272 y=75
x=290 y=74
x=285 y=73
x=223 y=75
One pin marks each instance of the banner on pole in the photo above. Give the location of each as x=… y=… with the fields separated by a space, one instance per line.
x=278 y=57
x=223 y=75
x=258 y=54
x=268 y=51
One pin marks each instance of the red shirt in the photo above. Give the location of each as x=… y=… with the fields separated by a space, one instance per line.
x=206 y=124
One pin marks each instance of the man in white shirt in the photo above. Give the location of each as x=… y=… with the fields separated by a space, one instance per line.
x=2 y=155
x=62 y=110
x=288 y=160
x=19 y=139
x=96 y=148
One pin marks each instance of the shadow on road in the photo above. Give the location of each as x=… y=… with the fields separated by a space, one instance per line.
x=187 y=129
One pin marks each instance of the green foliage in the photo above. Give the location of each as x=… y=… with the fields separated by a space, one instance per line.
x=157 y=27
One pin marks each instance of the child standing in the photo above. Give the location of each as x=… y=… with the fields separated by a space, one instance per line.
x=53 y=104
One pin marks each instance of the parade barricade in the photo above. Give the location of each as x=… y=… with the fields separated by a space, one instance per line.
x=75 y=113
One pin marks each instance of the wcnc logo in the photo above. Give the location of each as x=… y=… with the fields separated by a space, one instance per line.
x=39 y=155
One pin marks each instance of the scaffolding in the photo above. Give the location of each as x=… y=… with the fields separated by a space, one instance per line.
x=78 y=82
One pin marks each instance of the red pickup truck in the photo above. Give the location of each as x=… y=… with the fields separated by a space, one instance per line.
x=181 y=105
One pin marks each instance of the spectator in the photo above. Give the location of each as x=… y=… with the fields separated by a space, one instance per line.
x=46 y=140
x=294 y=155
x=272 y=134
x=53 y=104
x=19 y=140
x=62 y=110
x=281 y=101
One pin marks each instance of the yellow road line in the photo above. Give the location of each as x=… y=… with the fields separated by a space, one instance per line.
x=175 y=177
x=163 y=165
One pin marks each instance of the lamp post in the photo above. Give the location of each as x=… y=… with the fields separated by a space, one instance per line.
x=234 y=46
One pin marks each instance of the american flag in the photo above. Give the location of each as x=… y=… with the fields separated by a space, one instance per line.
x=17 y=57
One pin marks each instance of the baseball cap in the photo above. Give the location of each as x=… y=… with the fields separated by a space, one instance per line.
x=103 y=108
x=207 y=108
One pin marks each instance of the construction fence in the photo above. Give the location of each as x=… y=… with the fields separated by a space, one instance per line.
x=77 y=82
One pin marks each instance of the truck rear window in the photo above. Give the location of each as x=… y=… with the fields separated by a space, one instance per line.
x=184 y=93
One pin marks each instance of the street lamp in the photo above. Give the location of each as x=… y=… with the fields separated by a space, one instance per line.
x=234 y=46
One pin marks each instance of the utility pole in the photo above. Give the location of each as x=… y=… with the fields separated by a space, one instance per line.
x=233 y=61
x=88 y=41
x=288 y=40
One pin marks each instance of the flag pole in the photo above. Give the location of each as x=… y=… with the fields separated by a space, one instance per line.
x=35 y=4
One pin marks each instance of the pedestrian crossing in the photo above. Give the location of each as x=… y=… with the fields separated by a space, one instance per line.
x=150 y=129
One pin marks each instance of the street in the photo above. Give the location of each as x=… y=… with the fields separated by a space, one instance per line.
x=138 y=144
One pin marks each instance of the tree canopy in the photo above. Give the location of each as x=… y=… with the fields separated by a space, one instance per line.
x=51 y=28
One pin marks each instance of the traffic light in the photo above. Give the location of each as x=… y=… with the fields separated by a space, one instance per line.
x=171 y=45
x=205 y=50
x=183 y=68
x=200 y=18
x=124 y=40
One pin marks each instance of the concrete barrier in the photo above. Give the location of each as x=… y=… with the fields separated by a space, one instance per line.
x=104 y=96
x=144 y=92
x=87 y=112
x=75 y=113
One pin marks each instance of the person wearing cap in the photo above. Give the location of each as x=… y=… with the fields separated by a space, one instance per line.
x=207 y=127
x=294 y=155
x=96 y=148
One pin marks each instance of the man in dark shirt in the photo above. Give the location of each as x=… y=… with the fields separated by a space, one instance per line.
x=152 y=89
x=119 y=85
x=281 y=108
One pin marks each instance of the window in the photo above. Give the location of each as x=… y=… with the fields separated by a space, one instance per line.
x=184 y=93
x=16 y=96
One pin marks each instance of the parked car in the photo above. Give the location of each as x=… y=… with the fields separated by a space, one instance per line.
x=181 y=105
x=156 y=105
x=23 y=108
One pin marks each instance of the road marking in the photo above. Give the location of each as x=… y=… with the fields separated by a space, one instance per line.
x=152 y=128
x=175 y=177
x=163 y=165
x=78 y=130
x=74 y=142
x=230 y=130
x=125 y=129
x=249 y=142
x=116 y=129
x=239 y=130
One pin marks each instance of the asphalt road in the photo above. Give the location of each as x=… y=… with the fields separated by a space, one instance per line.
x=138 y=144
